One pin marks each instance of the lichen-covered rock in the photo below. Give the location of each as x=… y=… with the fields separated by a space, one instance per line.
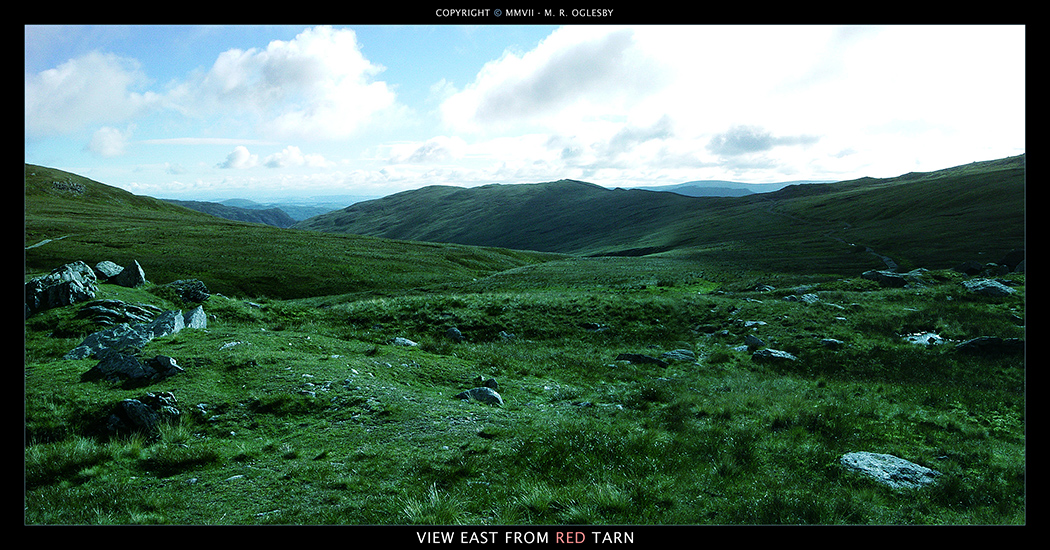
x=889 y=470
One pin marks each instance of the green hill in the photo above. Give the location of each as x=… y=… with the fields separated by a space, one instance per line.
x=932 y=220
x=80 y=219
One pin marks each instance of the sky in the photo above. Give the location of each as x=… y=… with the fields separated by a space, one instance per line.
x=276 y=112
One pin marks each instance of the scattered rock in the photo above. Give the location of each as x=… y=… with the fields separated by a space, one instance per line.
x=680 y=355
x=190 y=290
x=485 y=395
x=831 y=343
x=455 y=335
x=125 y=336
x=131 y=276
x=886 y=279
x=753 y=341
x=399 y=341
x=480 y=381
x=129 y=371
x=772 y=355
x=143 y=415
x=107 y=269
x=991 y=345
x=66 y=285
x=889 y=470
x=640 y=359
x=114 y=312
x=969 y=268
x=988 y=287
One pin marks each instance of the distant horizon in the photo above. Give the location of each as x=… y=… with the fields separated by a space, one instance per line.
x=210 y=111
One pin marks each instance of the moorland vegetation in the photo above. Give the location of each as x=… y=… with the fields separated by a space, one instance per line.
x=324 y=387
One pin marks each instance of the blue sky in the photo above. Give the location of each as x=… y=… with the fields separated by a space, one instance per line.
x=265 y=112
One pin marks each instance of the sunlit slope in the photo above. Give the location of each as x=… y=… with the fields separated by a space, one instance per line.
x=933 y=220
x=79 y=219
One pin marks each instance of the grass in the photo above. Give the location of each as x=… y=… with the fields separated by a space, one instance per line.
x=297 y=408
x=316 y=419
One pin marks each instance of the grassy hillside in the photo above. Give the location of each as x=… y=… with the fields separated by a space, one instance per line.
x=297 y=406
x=269 y=216
x=934 y=220
x=89 y=221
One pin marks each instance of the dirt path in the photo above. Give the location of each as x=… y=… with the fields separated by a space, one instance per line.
x=45 y=241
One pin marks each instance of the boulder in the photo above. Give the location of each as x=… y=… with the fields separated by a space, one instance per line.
x=131 y=276
x=107 y=269
x=128 y=371
x=771 y=355
x=66 y=285
x=680 y=355
x=454 y=334
x=886 y=279
x=143 y=415
x=485 y=395
x=991 y=345
x=124 y=336
x=988 y=287
x=190 y=290
x=889 y=470
x=640 y=359
x=1013 y=259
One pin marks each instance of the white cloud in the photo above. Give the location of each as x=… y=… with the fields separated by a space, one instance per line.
x=317 y=86
x=108 y=142
x=92 y=89
x=577 y=70
x=292 y=156
x=436 y=149
x=240 y=158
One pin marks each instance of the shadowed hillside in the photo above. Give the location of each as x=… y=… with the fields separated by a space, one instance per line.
x=936 y=219
x=70 y=218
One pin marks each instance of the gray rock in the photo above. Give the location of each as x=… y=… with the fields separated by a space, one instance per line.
x=772 y=355
x=190 y=290
x=638 y=358
x=128 y=371
x=399 y=341
x=66 y=285
x=454 y=334
x=124 y=336
x=988 y=287
x=831 y=343
x=991 y=345
x=485 y=395
x=886 y=279
x=107 y=269
x=889 y=470
x=131 y=276
x=753 y=341
x=143 y=415
x=681 y=355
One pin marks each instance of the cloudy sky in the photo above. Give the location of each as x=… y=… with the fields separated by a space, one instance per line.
x=215 y=112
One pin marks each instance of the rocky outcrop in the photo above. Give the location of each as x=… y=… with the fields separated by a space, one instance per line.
x=66 y=285
x=143 y=415
x=132 y=337
x=129 y=372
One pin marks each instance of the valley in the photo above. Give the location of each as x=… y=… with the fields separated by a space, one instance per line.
x=660 y=359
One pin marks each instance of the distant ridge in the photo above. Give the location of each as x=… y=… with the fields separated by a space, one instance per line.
x=269 y=216
x=924 y=219
x=722 y=188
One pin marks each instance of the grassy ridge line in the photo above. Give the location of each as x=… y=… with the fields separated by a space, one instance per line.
x=100 y=222
x=934 y=220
